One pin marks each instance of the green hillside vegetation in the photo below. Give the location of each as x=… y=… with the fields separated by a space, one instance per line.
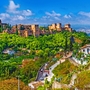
x=64 y=72
x=27 y=73
x=42 y=49
x=12 y=84
x=44 y=43
x=83 y=80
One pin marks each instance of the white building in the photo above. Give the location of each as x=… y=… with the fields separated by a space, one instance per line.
x=86 y=49
x=7 y=51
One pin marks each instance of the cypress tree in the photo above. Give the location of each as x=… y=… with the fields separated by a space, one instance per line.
x=16 y=30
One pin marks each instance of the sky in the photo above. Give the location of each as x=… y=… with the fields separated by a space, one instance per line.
x=45 y=12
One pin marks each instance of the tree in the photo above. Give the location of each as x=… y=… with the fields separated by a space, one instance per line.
x=47 y=84
x=16 y=30
x=41 y=28
x=80 y=56
x=27 y=72
x=41 y=88
x=71 y=42
x=66 y=46
x=87 y=58
x=40 y=53
x=76 y=48
x=1 y=28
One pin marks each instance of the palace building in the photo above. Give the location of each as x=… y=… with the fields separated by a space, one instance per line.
x=28 y=30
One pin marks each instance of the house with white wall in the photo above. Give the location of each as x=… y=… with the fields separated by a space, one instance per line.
x=8 y=51
x=86 y=49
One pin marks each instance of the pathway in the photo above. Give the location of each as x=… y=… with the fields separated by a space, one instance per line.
x=40 y=76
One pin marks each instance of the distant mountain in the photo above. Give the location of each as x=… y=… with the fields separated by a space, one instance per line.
x=82 y=28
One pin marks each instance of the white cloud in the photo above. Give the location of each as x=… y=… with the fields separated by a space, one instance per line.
x=14 y=14
x=85 y=13
x=67 y=16
x=18 y=17
x=12 y=7
x=45 y=17
x=27 y=12
x=57 y=18
x=53 y=14
x=4 y=16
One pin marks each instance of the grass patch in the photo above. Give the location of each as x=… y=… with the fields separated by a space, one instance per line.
x=64 y=71
x=83 y=79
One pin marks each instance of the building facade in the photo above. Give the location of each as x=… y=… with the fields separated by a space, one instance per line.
x=55 y=26
x=3 y=25
x=58 y=27
x=86 y=49
x=28 y=30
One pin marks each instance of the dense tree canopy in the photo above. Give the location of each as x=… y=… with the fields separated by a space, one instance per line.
x=36 y=48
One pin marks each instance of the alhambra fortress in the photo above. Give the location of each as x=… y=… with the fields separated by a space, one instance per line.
x=28 y=30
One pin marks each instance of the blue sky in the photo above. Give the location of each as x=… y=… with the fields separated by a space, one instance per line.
x=44 y=12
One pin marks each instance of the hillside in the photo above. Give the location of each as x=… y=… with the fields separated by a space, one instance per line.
x=36 y=50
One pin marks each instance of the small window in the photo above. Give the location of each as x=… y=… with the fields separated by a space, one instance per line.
x=83 y=50
x=87 y=50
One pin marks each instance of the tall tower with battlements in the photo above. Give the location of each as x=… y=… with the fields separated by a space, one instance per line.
x=59 y=28
x=35 y=29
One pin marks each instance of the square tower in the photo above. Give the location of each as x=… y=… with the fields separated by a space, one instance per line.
x=67 y=26
x=35 y=29
x=54 y=26
x=59 y=28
